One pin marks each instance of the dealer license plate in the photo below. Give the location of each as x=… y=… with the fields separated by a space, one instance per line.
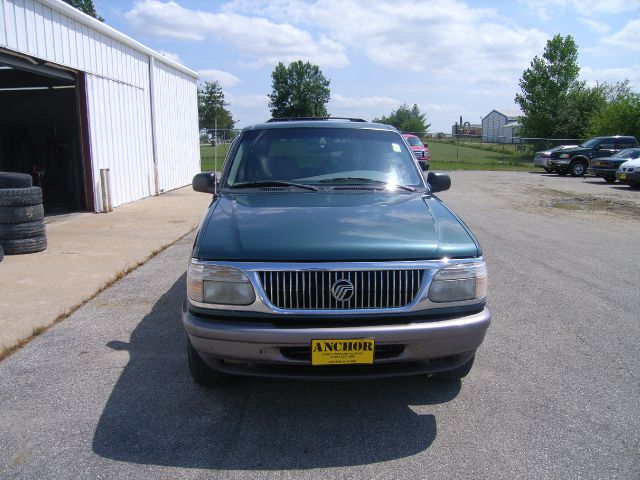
x=348 y=351
x=623 y=176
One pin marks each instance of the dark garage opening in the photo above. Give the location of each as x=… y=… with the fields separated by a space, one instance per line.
x=40 y=131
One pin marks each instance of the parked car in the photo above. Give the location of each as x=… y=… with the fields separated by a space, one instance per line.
x=541 y=159
x=607 y=167
x=629 y=173
x=326 y=254
x=576 y=160
x=420 y=151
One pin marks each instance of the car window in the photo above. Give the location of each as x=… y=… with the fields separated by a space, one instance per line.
x=592 y=143
x=317 y=155
x=606 y=144
x=624 y=144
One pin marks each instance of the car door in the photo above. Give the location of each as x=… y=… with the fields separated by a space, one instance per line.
x=605 y=148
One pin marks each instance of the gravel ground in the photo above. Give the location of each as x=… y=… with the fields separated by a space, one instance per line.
x=554 y=392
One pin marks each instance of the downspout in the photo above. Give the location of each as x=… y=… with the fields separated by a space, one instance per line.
x=154 y=136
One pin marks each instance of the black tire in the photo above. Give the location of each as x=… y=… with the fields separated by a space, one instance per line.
x=21 y=246
x=202 y=373
x=610 y=179
x=457 y=373
x=20 y=197
x=30 y=213
x=15 y=180
x=12 y=231
x=577 y=169
x=1 y=253
x=548 y=170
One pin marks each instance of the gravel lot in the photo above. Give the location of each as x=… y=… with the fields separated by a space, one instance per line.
x=554 y=392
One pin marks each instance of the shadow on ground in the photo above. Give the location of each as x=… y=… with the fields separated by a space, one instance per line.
x=157 y=415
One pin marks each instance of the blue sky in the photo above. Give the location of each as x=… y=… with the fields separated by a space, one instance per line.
x=450 y=57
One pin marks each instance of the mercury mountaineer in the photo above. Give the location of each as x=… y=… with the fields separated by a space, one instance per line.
x=325 y=254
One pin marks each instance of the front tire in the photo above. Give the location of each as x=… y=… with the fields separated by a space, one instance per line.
x=610 y=179
x=202 y=373
x=577 y=169
x=547 y=169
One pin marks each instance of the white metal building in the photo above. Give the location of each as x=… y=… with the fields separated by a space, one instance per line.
x=493 y=126
x=77 y=96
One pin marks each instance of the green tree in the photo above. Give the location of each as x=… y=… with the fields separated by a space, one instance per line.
x=299 y=90
x=620 y=116
x=581 y=104
x=212 y=107
x=407 y=119
x=546 y=85
x=85 y=6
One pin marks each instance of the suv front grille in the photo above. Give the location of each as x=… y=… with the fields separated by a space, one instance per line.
x=341 y=290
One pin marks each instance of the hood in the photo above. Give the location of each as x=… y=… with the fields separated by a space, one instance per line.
x=331 y=226
x=571 y=150
x=631 y=163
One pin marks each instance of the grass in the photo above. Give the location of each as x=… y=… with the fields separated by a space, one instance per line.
x=208 y=155
x=444 y=156
x=448 y=156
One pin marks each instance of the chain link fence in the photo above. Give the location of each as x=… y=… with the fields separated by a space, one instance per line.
x=474 y=151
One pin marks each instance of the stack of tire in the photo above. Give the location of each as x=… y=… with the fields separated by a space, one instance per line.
x=21 y=215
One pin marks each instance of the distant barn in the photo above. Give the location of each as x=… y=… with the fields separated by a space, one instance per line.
x=498 y=127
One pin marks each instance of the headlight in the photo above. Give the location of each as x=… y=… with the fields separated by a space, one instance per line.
x=459 y=282
x=218 y=284
x=564 y=155
x=637 y=170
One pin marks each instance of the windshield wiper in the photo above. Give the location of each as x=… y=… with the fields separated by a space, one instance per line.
x=358 y=180
x=273 y=183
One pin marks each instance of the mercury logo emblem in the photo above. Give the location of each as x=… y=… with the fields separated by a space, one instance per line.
x=342 y=290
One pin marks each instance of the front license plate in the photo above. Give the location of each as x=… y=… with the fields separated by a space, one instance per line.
x=342 y=352
x=623 y=176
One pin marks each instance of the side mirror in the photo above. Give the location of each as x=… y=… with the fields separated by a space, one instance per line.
x=438 y=182
x=205 y=182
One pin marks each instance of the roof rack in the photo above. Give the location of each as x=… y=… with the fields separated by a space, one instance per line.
x=296 y=119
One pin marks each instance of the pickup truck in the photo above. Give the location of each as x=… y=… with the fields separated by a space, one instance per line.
x=575 y=161
x=325 y=253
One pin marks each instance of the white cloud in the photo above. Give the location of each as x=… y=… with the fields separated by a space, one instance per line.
x=339 y=101
x=173 y=56
x=545 y=9
x=447 y=38
x=627 y=38
x=225 y=79
x=261 y=41
x=612 y=75
x=596 y=26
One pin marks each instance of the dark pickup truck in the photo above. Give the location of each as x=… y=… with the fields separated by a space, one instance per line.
x=325 y=254
x=575 y=161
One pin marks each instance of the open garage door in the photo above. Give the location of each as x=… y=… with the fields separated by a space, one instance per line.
x=40 y=130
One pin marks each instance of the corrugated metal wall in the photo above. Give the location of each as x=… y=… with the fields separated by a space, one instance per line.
x=177 y=145
x=118 y=96
x=120 y=139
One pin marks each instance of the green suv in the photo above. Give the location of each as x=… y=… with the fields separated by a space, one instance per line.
x=325 y=254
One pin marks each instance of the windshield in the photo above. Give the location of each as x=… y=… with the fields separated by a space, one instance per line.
x=322 y=156
x=414 y=141
x=628 y=153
